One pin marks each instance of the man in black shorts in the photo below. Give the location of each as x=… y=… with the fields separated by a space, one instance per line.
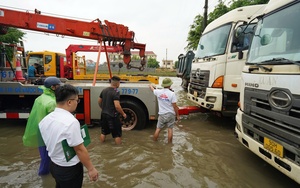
x=109 y=102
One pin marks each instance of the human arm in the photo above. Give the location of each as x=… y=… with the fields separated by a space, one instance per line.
x=176 y=110
x=84 y=158
x=37 y=72
x=99 y=102
x=151 y=87
x=119 y=108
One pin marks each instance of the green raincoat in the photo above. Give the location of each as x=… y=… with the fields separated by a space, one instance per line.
x=43 y=105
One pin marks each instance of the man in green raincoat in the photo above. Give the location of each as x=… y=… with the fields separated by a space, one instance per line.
x=43 y=105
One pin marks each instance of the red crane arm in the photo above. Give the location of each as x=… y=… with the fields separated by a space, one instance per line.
x=112 y=33
x=67 y=27
x=88 y=48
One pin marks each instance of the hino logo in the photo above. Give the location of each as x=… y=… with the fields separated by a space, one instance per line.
x=280 y=99
x=252 y=85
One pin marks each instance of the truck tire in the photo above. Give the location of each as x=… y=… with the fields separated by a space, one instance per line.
x=136 y=116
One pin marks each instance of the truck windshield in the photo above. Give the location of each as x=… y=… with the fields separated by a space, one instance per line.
x=35 y=59
x=214 y=42
x=277 y=38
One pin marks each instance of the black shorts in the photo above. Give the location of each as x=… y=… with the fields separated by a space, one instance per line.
x=71 y=176
x=111 y=125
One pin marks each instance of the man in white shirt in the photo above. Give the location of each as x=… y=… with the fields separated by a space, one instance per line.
x=167 y=108
x=61 y=125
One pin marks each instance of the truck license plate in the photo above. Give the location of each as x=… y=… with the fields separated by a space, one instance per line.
x=195 y=94
x=273 y=147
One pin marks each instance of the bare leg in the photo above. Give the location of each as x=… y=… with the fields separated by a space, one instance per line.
x=118 y=140
x=102 y=137
x=170 y=135
x=156 y=133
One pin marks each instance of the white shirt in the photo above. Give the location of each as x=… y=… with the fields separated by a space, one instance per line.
x=56 y=127
x=165 y=99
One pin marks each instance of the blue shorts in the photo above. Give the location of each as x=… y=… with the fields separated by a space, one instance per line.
x=166 y=119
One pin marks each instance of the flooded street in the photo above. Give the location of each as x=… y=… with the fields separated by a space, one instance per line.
x=204 y=153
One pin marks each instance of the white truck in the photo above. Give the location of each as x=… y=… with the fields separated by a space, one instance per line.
x=219 y=59
x=268 y=120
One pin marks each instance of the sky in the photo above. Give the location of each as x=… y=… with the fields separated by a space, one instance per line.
x=162 y=25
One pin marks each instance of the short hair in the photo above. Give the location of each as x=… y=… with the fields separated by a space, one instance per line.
x=116 y=78
x=65 y=92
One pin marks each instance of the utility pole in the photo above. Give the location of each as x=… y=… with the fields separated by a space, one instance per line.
x=205 y=14
x=166 y=57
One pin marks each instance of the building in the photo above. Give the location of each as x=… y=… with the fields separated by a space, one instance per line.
x=167 y=64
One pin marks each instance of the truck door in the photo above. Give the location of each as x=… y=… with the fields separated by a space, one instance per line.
x=50 y=64
x=237 y=56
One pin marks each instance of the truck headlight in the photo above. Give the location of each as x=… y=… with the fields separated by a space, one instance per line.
x=211 y=99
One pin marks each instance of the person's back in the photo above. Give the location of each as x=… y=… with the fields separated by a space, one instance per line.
x=165 y=99
x=168 y=109
x=109 y=94
x=58 y=127
x=31 y=71
x=109 y=102
x=43 y=105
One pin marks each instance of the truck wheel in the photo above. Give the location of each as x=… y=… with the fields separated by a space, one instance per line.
x=136 y=116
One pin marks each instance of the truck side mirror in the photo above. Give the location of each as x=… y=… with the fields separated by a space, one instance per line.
x=240 y=55
x=238 y=32
x=265 y=39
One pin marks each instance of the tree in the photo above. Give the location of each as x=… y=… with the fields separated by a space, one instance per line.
x=152 y=63
x=241 y=3
x=195 y=32
x=197 y=28
x=13 y=36
x=219 y=10
x=176 y=65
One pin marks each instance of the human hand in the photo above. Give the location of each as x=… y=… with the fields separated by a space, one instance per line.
x=124 y=115
x=93 y=174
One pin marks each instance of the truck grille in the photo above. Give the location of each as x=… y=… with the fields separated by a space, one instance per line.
x=199 y=82
x=279 y=122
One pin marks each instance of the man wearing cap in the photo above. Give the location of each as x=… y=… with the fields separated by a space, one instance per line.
x=167 y=108
x=43 y=105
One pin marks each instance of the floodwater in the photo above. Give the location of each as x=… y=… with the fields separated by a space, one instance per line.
x=204 y=153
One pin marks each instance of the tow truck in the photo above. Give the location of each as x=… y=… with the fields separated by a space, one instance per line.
x=137 y=100
x=75 y=67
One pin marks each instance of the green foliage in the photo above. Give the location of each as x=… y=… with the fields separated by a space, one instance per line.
x=152 y=63
x=195 y=32
x=219 y=10
x=197 y=28
x=241 y=3
x=13 y=36
x=176 y=64
x=135 y=57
